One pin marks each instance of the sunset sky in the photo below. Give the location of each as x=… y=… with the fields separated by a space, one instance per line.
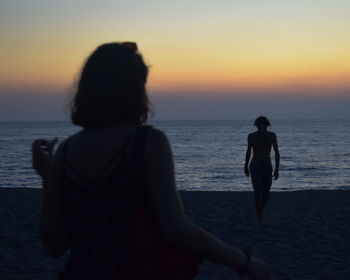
x=208 y=59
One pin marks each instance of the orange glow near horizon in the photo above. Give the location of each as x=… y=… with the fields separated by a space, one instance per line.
x=218 y=49
x=173 y=70
x=178 y=72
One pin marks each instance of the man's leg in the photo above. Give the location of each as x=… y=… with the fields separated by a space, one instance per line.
x=265 y=199
x=257 y=182
x=259 y=207
x=267 y=182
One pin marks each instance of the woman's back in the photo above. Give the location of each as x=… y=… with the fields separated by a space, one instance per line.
x=91 y=149
x=101 y=197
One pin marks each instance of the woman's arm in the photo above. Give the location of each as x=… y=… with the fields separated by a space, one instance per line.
x=53 y=223
x=168 y=213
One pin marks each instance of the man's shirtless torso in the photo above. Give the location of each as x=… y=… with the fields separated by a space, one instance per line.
x=261 y=142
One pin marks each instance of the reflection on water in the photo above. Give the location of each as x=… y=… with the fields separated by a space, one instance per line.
x=209 y=155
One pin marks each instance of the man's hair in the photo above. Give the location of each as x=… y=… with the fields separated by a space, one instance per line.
x=262 y=121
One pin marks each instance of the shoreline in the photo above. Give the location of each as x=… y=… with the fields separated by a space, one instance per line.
x=345 y=188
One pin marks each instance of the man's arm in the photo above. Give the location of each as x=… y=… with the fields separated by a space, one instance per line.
x=277 y=157
x=247 y=156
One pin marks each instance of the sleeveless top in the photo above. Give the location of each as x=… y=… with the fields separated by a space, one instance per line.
x=101 y=214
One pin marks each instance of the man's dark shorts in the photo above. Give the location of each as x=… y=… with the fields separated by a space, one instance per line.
x=261 y=174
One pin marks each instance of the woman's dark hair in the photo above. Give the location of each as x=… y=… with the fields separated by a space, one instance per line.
x=262 y=121
x=112 y=88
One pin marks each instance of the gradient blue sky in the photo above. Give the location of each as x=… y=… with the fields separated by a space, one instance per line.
x=208 y=59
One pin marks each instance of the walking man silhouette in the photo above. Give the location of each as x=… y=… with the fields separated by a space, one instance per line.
x=260 y=167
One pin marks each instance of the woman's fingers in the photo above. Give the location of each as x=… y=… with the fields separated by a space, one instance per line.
x=42 y=154
x=44 y=145
x=52 y=144
x=40 y=144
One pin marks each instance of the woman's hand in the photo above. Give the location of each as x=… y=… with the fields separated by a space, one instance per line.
x=42 y=153
x=258 y=270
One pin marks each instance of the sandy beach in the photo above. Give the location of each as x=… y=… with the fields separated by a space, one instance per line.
x=307 y=236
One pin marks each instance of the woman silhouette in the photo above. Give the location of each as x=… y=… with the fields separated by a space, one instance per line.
x=90 y=200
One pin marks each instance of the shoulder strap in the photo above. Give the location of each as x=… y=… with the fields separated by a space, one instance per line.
x=139 y=150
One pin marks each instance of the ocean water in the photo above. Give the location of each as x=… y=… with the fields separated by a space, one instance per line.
x=209 y=155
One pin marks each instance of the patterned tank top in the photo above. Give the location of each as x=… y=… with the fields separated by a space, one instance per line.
x=101 y=214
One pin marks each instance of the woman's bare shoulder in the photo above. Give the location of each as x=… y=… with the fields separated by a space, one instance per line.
x=157 y=135
x=157 y=141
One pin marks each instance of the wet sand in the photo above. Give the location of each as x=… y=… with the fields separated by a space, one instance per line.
x=308 y=236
